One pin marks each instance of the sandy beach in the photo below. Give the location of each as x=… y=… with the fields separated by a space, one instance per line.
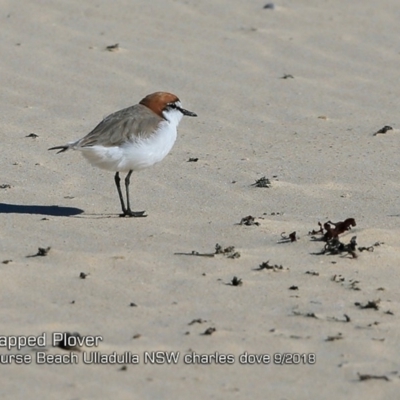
x=295 y=93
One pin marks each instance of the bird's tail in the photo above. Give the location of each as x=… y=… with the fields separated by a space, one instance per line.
x=61 y=148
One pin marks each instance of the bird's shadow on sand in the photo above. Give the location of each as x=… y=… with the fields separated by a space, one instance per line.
x=56 y=211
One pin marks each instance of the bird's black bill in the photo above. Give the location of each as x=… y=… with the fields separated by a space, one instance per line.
x=61 y=148
x=187 y=112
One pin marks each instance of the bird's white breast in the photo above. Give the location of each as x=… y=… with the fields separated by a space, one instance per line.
x=137 y=153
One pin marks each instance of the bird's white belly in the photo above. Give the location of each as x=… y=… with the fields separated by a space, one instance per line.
x=132 y=155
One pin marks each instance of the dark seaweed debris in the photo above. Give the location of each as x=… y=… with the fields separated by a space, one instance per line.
x=197 y=321
x=367 y=377
x=64 y=343
x=335 y=246
x=209 y=331
x=113 y=47
x=262 y=183
x=289 y=238
x=42 y=252
x=383 y=130
x=333 y=229
x=373 y=304
x=227 y=251
x=266 y=265
x=236 y=282
x=248 y=221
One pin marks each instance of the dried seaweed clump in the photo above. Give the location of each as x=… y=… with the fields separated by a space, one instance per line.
x=249 y=220
x=228 y=251
x=267 y=266
x=335 y=246
x=331 y=230
x=262 y=183
x=292 y=237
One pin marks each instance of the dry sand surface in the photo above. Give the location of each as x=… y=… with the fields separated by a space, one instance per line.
x=311 y=134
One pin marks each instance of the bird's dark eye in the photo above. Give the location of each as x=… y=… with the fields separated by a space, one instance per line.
x=172 y=105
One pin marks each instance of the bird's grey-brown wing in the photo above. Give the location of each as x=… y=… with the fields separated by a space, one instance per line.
x=121 y=126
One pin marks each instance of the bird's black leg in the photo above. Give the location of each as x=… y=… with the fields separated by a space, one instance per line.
x=127 y=183
x=121 y=199
x=128 y=212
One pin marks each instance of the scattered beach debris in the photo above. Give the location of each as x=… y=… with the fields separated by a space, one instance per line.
x=374 y=304
x=42 y=252
x=383 y=130
x=193 y=159
x=209 y=331
x=136 y=336
x=345 y=318
x=288 y=239
x=274 y=213
x=335 y=319
x=5 y=186
x=195 y=253
x=337 y=278
x=293 y=287
x=132 y=305
x=329 y=232
x=389 y=312
x=123 y=368
x=235 y=282
x=269 y=6
x=333 y=229
x=227 y=251
x=313 y=273
x=70 y=341
x=83 y=275
x=367 y=377
x=262 y=183
x=266 y=265
x=320 y=231
x=287 y=76
x=32 y=135
x=6 y=261
x=299 y=337
x=113 y=47
x=309 y=315
x=335 y=246
x=333 y=338
x=352 y=284
x=372 y=247
x=248 y=221
x=197 y=321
